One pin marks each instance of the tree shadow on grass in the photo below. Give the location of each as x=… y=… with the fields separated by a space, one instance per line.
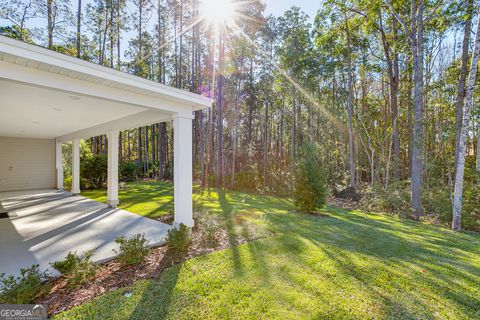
x=157 y=296
x=363 y=237
x=228 y=221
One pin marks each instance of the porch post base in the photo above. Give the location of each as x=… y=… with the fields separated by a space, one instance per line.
x=190 y=224
x=112 y=203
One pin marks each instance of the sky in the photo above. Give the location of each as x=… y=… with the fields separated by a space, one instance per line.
x=278 y=7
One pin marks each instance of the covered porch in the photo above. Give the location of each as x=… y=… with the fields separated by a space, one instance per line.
x=48 y=99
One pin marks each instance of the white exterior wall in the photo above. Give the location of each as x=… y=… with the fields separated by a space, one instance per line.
x=27 y=163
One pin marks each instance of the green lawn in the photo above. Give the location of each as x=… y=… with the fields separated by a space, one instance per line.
x=340 y=265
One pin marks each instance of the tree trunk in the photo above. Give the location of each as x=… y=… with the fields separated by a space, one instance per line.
x=220 y=83
x=265 y=148
x=139 y=151
x=79 y=25
x=50 y=23
x=416 y=43
x=120 y=148
x=147 y=160
x=462 y=147
x=463 y=78
x=394 y=108
x=478 y=153
x=350 y=111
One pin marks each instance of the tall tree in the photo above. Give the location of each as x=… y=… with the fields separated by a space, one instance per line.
x=463 y=77
x=462 y=144
x=79 y=27
x=415 y=33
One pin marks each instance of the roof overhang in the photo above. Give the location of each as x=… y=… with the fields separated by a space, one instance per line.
x=70 y=97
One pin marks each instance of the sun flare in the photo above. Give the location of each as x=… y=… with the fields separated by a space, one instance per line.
x=218 y=11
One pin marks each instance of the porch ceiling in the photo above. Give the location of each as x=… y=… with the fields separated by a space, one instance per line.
x=35 y=112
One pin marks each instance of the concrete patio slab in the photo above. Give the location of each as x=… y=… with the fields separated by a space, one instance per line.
x=44 y=225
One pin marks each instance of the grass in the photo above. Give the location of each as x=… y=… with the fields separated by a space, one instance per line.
x=337 y=265
x=149 y=199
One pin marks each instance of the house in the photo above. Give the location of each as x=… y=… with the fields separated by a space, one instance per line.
x=48 y=98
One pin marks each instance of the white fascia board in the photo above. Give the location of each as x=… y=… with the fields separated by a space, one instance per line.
x=48 y=80
x=140 y=119
x=41 y=55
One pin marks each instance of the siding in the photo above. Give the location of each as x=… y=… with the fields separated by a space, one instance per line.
x=26 y=163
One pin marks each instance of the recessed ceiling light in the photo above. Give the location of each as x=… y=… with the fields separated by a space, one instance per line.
x=58 y=109
x=35 y=122
x=74 y=97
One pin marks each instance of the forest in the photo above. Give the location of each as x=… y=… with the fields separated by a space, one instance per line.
x=384 y=90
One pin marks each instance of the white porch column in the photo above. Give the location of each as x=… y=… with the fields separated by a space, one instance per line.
x=76 y=166
x=182 y=169
x=59 y=164
x=112 y=182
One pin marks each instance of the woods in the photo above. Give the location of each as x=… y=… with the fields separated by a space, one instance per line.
x=385 y=90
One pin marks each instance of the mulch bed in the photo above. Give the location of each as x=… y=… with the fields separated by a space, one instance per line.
x=112 y=275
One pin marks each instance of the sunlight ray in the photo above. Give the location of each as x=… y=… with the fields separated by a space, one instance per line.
x=297 y=86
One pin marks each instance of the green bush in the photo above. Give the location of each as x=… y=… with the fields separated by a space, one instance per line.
x=78 y=270
x=24 y=288
x=310 y=187
x=179 y=240
x=94 y=172
x=67 y=182
x=395 y=200
x=132 y=250
x=128 y=171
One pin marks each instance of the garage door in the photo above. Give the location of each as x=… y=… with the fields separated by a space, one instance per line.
x=26 y=163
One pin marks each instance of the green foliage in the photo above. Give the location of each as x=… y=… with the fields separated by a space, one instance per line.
x=396 y=200
x=24 y=288
x=132 y=250
x=246 y=181
x=16 y=33
x=437 y=203
x=67 y=182
x=310 y=187
x=179 y=240
x=128 y=171
x=94 y=172
x=77 y=269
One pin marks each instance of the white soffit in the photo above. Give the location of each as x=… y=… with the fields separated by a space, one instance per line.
x=33 y=112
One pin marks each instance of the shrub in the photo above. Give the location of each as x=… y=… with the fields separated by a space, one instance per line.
x=210 y=234
x=94 y=171
x=132 y=250
x=67 y=182
x=179 y=240
x=77 y=269
x=310 y=188
x=24 y=288
x=395 y=200
x=128 y=171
